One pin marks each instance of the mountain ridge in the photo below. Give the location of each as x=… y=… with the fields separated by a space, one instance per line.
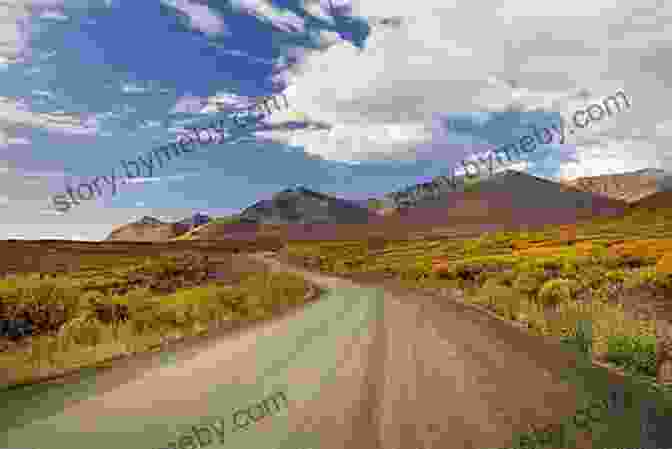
x=456 y=199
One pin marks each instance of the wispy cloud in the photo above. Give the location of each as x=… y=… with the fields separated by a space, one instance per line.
x=53 y=14
x=202 y=17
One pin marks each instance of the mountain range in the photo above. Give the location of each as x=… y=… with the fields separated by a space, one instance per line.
x=509 y=198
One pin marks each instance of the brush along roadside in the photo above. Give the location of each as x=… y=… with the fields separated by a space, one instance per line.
x=79 y=321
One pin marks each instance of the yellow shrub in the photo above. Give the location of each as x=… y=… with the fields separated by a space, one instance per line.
x=642 y=248
x=518 y=245
x=529 y=282
x=557 y=291
x=503 y=300
x=568 y=234
x=664 y=265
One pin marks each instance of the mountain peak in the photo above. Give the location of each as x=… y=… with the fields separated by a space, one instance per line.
x=147 y=220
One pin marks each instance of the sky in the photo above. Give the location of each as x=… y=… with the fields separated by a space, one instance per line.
x=381 y=95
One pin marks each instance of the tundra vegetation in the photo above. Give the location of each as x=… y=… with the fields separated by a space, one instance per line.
x=115 y=306
x=604 y=285
x=613 y=272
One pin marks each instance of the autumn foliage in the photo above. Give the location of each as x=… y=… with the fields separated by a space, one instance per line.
x=568 y=234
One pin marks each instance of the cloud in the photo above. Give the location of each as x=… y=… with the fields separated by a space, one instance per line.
x=15 y=113
x=159 y=179
x=188 y=104
x=52 y=14
x=14 y=33
x=130 y=88
x=201 y=16
x=439 y=62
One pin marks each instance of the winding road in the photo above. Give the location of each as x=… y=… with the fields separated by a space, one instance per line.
x=361 y=368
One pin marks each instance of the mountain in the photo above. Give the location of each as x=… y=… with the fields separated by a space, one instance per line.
x=303 y=206
x=408 y=196
x=298 y=206
x=658 y=200
x=509 y=188
x=629 y=187
x=148 y=229
x=195 y=220
x=149 y=221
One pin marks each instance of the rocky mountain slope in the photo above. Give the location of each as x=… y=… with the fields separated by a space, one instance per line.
x=630 y=187
x=299 y=206
x=304 y=206
x=150 y=229
x=508 y=197
x=662 y=199
x=508 y=188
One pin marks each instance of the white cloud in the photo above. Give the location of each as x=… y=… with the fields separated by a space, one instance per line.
x=18 y=141
x=14 y=113
x=147 y=180
x=52 y=14
x=459 y=56
x=130 y=88
x=664 y=129
x=202 y=17
x=4 y=140
x=611 y=157
x=51 y=212
x=13 y=30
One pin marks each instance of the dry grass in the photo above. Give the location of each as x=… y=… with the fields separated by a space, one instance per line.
x=549 y=279
x=101 y=312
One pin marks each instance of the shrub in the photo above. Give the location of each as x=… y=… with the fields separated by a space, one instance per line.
x=45 y=304
x=556 y=291
x=503 y=300
x=416 y=272
x=82 y=331
x=640 y=277
x=15 y=329
x=582 y=336
x=637 y=354
x=519 y=245
x=664 y=265
x=529 y=282
x=615 y=276
x=568 y=234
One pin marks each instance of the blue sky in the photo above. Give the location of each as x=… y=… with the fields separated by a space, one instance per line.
x=86 y=84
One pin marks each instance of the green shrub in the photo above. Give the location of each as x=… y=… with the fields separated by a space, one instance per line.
x=582 y=337
x=46 y=303
x=636 y=354
x=557 y=291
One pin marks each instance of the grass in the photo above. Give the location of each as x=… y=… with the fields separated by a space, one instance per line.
x=571 y=282
x=548 y=279
x=93 y=315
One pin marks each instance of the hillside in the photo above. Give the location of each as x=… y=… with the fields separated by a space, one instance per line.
x=150 y=229
x=658 y=200
x=507 y=200
x=629 y=187
x=513 y=190
x=304 y=206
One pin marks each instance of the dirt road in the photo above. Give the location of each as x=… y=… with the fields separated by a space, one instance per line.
x=361 y=368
